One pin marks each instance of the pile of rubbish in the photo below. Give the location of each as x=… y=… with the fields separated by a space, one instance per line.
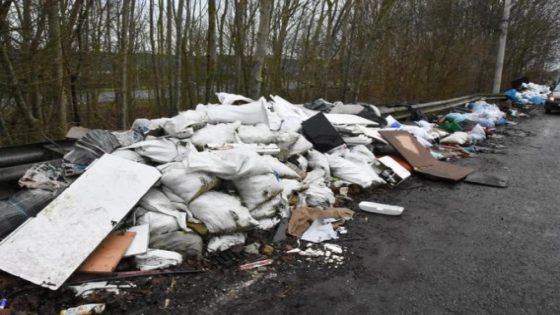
x=212 y=178
x=528 y=93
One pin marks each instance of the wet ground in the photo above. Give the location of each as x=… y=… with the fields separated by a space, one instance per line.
x=458 y=248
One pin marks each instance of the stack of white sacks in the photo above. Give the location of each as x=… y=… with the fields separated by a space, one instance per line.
x=228 y=169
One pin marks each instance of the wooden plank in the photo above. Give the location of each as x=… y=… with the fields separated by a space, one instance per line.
x=421 y=159
x=47 y=249
x=108 y=254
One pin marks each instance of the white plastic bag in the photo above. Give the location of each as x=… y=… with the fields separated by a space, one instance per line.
x=257 y=189
x=183 y=125
x=228 y=164
x=222 y=213
x=318 y=160
x=259 y=133
x=317 y=193
x=278 y=167
x=160 y=150
x=155 y=200
x=274 y=207
x=159 y=223
x=157 y=259
x=248 y=114
x=458 y=137
x=353 y=170
x=229 y=99
x=215 y=134
x=224 y=242
x=188 y=185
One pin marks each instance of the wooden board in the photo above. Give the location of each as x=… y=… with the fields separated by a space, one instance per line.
x=421 y=159
x=47 y=249
x=108 y=254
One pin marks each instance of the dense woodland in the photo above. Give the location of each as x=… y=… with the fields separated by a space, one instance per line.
x=103 y=63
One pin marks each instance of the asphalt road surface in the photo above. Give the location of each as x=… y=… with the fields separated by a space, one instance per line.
x=457 y=249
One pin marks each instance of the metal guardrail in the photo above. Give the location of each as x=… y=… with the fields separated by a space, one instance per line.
x=400 y=112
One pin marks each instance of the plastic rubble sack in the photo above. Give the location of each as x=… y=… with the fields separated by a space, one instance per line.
x=227 y=164
x=216 y=134
x=515 y=96
x=129 y=155
x=318 y=160
x=360 y=153
x=248 y=114
x=259 y=133
x=222 y=213
x=277 y=206
x=177 y=178
x=157 y=259
x=160 y=150
x=486 y=110
x=477 y=134
x=292 y=143
x=93 y=145
x=159 y=223
x=43 y=176
x=267 y=223
x=148 y=126
x=21 y=206
x=353 y=170
x=184 y=124
x=231 y=99
x=255 y=190
x=188 y=244
x=281 y=169
x=458 y=137
x=155 y=200
x=302 y=218
x=225 y=242
x=317 y=194
x=290 y=187
x=290 y=115
x=129 y=137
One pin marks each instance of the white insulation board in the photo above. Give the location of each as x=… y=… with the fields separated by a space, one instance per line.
x=47 y=249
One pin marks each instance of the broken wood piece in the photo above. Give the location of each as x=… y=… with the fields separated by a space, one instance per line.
x=108 y=254
x=421 y=159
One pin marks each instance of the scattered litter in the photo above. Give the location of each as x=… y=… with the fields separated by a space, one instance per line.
x=85 y=289
x=256 y=264
x=319 y=231
x=86 y=309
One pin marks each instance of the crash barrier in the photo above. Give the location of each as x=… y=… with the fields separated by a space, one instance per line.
x=400 y=112
x=16 y=159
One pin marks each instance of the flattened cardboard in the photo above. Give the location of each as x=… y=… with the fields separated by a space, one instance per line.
x=421 y=159
x=108 y=254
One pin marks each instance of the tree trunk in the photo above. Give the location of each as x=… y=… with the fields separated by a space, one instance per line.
x=211 y=52
x=55 y=40
x=265 y=11
x=124 y=64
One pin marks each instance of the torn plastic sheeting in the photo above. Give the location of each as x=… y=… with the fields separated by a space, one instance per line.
x=43 y=176
x=157 y=259
x=222 y=213
x=421 y=159
x=105 y=193
x=319 y=231
x=319 y=131
x=301 y=218
x=224 y=242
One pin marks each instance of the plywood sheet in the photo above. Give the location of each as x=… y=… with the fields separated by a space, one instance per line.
x=47 y=249
x=108 y=254
x=421 y=159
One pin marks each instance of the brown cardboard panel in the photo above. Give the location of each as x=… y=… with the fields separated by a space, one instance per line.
x=421 y=159
x=108 y=254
